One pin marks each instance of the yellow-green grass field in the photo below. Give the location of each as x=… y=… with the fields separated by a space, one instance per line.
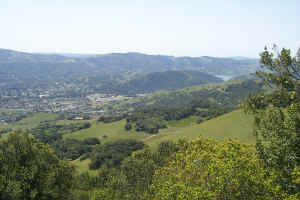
x=113 y=131
x=234 y=125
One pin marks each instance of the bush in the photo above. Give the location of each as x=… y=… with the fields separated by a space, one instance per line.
x=91 y=141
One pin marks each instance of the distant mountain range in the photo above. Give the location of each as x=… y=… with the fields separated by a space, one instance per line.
x=117 y=62
x=117 y=68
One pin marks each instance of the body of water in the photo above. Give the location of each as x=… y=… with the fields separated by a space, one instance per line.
x=225 y=77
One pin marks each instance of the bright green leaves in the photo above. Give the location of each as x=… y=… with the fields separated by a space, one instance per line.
x=213 y=170
x=285 y=69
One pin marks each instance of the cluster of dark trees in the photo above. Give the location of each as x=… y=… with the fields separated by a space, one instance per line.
x=112 y=118
x=12 y=117
x=6 y=130
x=48 y=132
x=72 y=149
x=110 y=155
x=131 y=178
x=52 y=134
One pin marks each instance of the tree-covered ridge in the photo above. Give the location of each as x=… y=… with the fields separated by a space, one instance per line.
x=155 y=63
x=225 y=93
x=168 y=80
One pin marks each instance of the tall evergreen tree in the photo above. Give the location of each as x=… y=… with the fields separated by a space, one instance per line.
x=277 y=116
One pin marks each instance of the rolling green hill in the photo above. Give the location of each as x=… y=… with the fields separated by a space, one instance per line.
x=234 y=125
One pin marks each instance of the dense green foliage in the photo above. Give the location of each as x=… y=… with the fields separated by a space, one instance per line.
x=30 y=170
x=134 y=176
x=201 y=169
x=48 y=132
x=52 y=134
x=206 y=169
x=73 y=149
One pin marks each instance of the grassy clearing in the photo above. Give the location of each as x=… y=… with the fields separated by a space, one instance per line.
x=107 y=132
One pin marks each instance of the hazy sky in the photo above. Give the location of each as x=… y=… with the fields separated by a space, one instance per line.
x=172 y=27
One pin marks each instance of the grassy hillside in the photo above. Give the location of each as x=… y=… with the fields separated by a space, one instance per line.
x=31 y=121
x=234 y=125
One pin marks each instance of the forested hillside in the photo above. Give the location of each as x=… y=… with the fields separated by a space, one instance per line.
x=168 y=80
